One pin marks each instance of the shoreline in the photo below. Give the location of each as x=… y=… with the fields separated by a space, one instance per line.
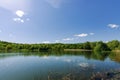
x=115 y=50
x=76 y=50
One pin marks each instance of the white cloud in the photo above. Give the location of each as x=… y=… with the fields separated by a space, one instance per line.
x=18 y=20
x=20 y=13
x=82 y=35
x=68 y=39
x=46 y=42
x=92 y=33
x=22 y=21
x=113 y=26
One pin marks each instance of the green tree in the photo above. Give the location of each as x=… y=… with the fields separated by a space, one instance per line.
x=86 y=45
x=8 y=47
x=100 y=46
x=113 y=44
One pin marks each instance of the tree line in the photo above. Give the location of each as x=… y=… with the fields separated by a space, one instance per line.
x=94 y=46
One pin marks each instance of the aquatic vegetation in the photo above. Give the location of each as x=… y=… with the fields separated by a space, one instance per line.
x=113 y=75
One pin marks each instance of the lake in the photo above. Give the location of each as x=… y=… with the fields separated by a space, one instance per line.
x=56 y=65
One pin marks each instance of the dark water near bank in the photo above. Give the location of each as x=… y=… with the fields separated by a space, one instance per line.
x=56 y=65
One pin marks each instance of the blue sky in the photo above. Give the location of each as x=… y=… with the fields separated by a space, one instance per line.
x=54 y=21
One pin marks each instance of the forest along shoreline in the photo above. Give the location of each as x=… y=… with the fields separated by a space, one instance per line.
x=97 y=46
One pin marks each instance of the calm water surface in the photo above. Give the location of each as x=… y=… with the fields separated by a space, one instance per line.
x=57 y=66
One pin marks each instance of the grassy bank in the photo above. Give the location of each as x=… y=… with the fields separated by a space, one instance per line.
x=115 y=50
x=76 y=50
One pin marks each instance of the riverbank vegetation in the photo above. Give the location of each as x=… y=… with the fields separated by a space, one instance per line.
x=87 y=46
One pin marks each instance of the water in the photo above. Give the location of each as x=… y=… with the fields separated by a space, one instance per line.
x=55 y=65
